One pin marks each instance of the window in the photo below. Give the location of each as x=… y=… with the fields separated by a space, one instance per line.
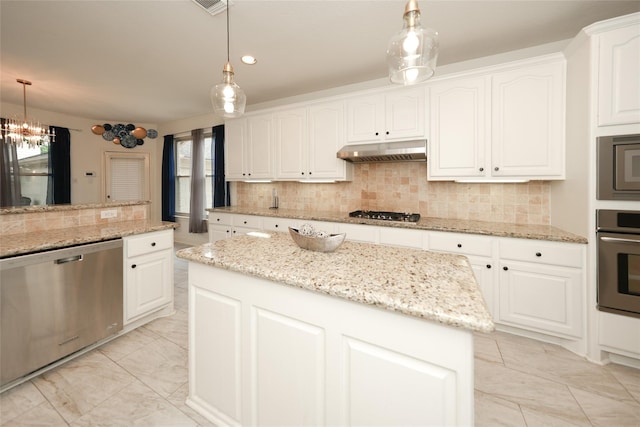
x=126 y=176
x=183 y=172
x=34 y=174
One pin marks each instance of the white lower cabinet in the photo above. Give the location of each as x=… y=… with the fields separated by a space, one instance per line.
x=262 y=353
x=148 y=276
x=541 y=286
x=360 y=233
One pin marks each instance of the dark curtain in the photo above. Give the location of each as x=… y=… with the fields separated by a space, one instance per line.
x=221 y=196
x=10 y=191
x=59 y=184
x=168 y=180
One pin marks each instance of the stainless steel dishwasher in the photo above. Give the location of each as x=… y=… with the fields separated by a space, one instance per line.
x=55 y=303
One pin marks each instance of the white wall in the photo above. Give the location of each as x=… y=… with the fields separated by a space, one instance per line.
x=87 y=154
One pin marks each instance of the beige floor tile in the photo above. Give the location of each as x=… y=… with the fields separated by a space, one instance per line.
x=42 y=415
x=79 y=385
x=628 y=377
x=606 y=412
x=486 y=348
x=535 y=418
x=178 y=399
x=494 y=412
x=19 y=400
x=128 y=343
x=173 y=328
x=135 y=405
x=181 y=297
x=528 y=390
x=161 y=364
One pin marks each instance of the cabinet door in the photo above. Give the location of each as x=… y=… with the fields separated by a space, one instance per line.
x=541 y=298
x=528 y=122
x=458 y=129
x=148 y=283
x=404 y=114
x=260 y=146
x=234 y=149
x=219 y=232
x=326 y=137
x=365 y=118
x=291 y=144
x=619 y=76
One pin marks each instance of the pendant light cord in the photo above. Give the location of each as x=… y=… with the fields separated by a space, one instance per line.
x=227 y=30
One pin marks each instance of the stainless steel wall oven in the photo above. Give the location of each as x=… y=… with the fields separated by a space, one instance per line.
x=618 y=247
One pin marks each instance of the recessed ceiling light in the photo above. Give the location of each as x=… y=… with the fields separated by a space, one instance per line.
x=249 y=60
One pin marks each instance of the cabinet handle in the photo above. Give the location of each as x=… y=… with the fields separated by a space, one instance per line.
x=309 y=173
x=244 y=222
x=153 y=243
x=538 y=254
x=496 y=169
x=302 y=173
x=249 y=174
x=387 y=132
x=234 y=231
x=244 y=174
x=459 y=245
x=488 y=265
x=505 y=268
x=481 y=169
x=227 y=231
x=218 y=219
x=133 y=266
x=377 y=133
x=276 y=225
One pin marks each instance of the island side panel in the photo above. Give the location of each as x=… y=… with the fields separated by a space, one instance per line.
x=285 y=355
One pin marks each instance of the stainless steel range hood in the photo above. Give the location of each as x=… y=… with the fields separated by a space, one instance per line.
x=384 y=152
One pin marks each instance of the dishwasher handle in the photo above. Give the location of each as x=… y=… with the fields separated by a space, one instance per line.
x=68 y=259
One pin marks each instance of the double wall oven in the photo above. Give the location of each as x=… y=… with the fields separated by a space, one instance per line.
x=618 y=253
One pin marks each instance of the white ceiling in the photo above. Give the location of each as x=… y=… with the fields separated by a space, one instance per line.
x=155 y=61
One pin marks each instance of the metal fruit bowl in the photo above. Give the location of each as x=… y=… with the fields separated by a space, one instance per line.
x=318 y=244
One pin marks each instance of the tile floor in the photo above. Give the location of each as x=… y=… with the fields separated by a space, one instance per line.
x=141 y=379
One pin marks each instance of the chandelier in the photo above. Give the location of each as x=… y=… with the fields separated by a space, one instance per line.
x=25 y=132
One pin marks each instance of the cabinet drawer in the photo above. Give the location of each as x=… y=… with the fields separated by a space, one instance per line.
x=278 y=224
x=402 y=237
x=247 y=221
x=555 y=253
x=149 y=242
x=466 y=244
x=220 y=218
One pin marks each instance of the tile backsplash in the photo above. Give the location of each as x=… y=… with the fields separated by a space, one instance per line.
x=403 y=187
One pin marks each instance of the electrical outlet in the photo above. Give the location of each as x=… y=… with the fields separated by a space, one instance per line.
x=111 y=213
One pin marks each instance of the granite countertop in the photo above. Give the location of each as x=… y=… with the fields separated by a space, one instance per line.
x=23 y=243
x=434 y=286
x=497 y=229
x=68 y=207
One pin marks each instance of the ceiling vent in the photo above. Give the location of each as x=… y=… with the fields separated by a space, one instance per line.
x=214 y=7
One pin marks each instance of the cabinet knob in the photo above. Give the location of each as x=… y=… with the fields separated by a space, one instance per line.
x=218 y=219
x=276 y=225
x=488 y=265
x=496 y=169
x=227 y=231
x=309 y=173
x=459 y=245
x=377 y=133
x=387 y=132
x=505 y=268
x=234 y=231
x=302 y=173
x=133 y=266
x=244 y=174
x=538 y=254
x=244 y=222
x=249 y=174
x=481 y=169
x=153 y=243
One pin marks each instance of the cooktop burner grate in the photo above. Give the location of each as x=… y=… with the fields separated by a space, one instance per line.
x=386 y=216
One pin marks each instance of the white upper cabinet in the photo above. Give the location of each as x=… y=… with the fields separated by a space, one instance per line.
x=392 y=115
x=504 y=125
x=527 y=126
x=235 y=139
x=619 y=76
x=458 y=128
x=291 y=143
x=307 y=139
x=326 y=137
x=249 y=148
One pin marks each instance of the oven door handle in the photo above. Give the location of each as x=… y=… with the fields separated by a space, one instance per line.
x=617 y=239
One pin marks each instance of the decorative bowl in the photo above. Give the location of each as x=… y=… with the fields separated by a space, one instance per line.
x=319 y=244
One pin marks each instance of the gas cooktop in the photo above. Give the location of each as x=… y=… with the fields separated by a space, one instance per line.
x=386 y=216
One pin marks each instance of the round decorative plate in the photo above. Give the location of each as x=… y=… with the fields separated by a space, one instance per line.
x=108 y=135
x=129 y=141
x=152 y=133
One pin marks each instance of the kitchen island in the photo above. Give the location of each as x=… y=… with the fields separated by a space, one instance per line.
x=364 y=335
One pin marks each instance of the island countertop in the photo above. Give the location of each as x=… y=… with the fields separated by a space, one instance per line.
x=434 y=286
x=487 y=228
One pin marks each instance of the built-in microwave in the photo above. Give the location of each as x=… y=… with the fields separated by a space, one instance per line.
x=618 y=171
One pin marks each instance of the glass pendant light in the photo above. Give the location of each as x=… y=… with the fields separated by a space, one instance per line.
x=412 y=53
x=227 y=98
